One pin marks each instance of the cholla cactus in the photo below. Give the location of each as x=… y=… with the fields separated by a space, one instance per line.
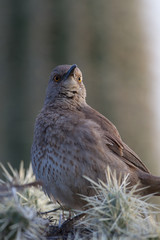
x=116 y=213
x=19 y=206
x=31 y=196
x=19 y=222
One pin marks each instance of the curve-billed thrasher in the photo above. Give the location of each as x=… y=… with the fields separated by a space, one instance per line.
x=72 y=140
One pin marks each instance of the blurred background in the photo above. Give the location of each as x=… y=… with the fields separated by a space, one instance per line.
x=115 y=44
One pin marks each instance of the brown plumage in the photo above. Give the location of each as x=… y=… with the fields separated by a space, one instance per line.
x=72 y=140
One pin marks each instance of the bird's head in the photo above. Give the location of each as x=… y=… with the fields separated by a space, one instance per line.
x=65 y=83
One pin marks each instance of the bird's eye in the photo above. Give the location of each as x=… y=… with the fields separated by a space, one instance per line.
x=57 y=78
x=79 y=79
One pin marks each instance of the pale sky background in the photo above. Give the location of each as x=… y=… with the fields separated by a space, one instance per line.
x=151 y=17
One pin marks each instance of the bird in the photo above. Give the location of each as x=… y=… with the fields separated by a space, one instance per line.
x=72 y=140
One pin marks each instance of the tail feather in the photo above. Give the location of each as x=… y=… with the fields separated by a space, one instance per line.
x=151 y=183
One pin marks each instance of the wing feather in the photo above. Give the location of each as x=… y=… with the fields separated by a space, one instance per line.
x=113 y=140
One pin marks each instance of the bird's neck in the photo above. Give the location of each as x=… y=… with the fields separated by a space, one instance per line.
x=66 y=103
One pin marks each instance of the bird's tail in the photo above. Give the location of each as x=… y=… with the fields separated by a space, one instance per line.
x=151 y=183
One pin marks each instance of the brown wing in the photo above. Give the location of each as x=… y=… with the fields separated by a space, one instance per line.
x=113 y=139
x=129 y=156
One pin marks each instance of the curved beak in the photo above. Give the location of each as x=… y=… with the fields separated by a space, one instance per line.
x=70 y=71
